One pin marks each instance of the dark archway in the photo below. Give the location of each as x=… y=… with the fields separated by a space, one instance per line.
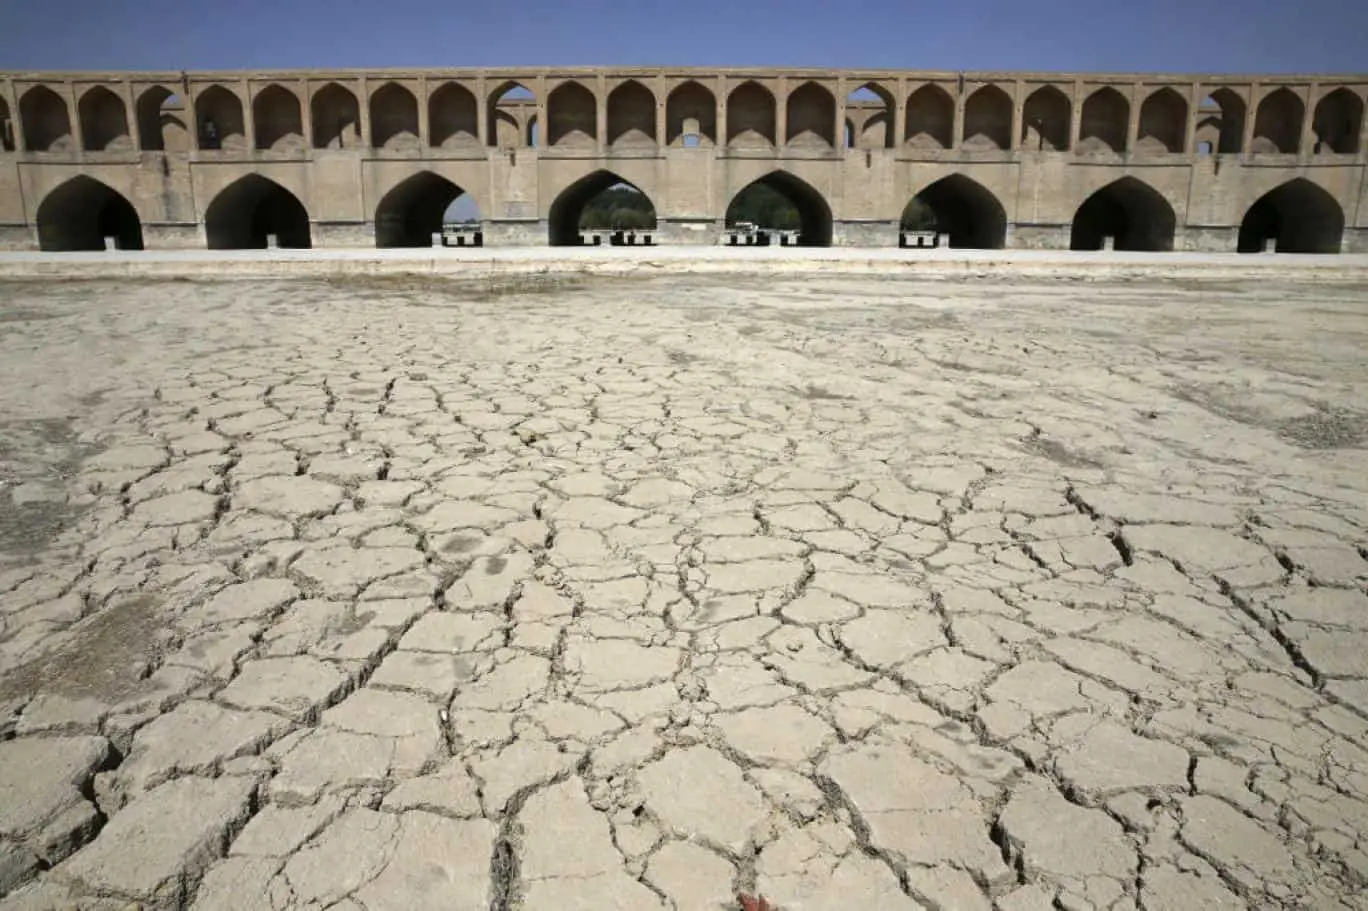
x=571 y=116
x=1104 y=122
x=82 y=212
x=1220 y=122
x=1278 y=123
x=221 y=123
x=1337 y=122
x=412 y=211
x=751 y=117
x=565 y=219
x=1298 y=216
x=104 y=121
x=453 y=117
x=393 y=117
x=987 y=119
x=1045 y=120
x=811 y=115
x=631 y=116
x=1163 y=123
x=1129 y=211
x=930 y=118
x=6 y=128
x=690 y=111
x=964 y=209
x=161 y=121
x=809 y=212
x=47 y=124
x=336 y=118
x=248 y=210
x=279 y=124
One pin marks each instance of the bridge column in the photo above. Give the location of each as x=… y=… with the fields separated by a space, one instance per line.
x=542 y=131
x=249 y=115
x=306 y=113
x=131 y=115
x=1190 y=129
x=424 y=128
x=957 y=131
x=1075 y=115
x=662 y=128
x=721 y=97
x=1133 y=124
x=1014 y=137
x=781 y=112
x=74 y=118
x=601 y=112
x=1251 y=114
x=365 y=114
x=1306 y=144
x=900 y=113
x=482 y=111
x=839 y=133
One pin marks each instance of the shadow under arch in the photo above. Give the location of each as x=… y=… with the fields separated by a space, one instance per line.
x=814 y=215
x=1131 y=212
x=1298 y=216
x=80 y=213
x=966 y=210
x=248 y=210
x=563 y=221
x=412 y=211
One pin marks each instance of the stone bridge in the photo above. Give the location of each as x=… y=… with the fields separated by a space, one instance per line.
x=374 y=157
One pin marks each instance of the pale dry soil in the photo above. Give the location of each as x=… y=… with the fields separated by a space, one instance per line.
x=857 y=593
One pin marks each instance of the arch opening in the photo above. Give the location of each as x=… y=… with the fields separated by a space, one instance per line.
x=279 y=124
x=962 y=208
x=571 y=116
x=1163 y=123
x=161 y=121
x=631 y=116
x=1045 y=120
x=1298 y=216
x=1278 y=123
x=601 y=200
x=6 y=128
x=104 y=121
x=512 y=111
x=1104 y=122
x=246 y=212
x=869 y=118
x=988 y=119
x=393 y=117
x=1220 y=122
x=336 y=118
x=221 y=121
x=453 y=117
x=81 y=213
x=1130 y=212
x=417 y=208
x=691 y=110
x=46 y=122
x=930 y=118
x=780 y=201
x=1338 y=121
x=751 y=117
x=810 y=112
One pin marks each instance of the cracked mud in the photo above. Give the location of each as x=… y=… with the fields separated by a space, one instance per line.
x=852 y=593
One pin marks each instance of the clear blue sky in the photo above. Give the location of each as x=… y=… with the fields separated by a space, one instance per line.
x=1138 y=35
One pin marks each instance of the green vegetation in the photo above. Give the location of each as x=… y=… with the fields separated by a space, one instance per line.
x=764 y=207
x=618 y=207
x=918 y=216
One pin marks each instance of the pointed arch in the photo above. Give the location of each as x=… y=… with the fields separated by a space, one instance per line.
x=248 y=210
x=411 y=212
x=276 y=115
x=930 y=118
x=1045 y=120
x=563 y=221
x=751 y=116
x=1128 y=210
x=1163 y=122
x=6 y=128
x=46 y=121
x=1338 y=122
x=1278 y=123
x=690 y=110
x=505 y=127
x=104 y=120
x=336 y=115
x=1105 y=122
x=876 y=130
x=987 y=119
x=221 y=121
x=814 y=214
x=161 y=121
x=1220 y=122
x=810 y=112
x=631 y=115
x=80 y=213
x=966 y=210
x=453 y=117
x=393 y=117
x=571 y=116
x=1299 y=216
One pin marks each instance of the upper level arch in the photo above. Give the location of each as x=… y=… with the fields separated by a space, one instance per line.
x=1220 y=123
x=751 y=116
x=810 y=113
x=571 y=116
x=221 y=124
x=631 y=116
x=6 y=127
x=870 y=111
x=1163 y=122
x=393 y=117
x=930 y=118
x=987 y=119
x=1045 y=119
x=510 y=112
x=1105 y=122
x=690 y=111
x=336 y=114
x=277 y=119
x=104 y=121
x=1278 y=123
x=46 y=121
x=1338 y=122
x=453 y=117
x=162 y=126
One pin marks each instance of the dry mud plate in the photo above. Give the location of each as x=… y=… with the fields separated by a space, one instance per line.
x=857 y=593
